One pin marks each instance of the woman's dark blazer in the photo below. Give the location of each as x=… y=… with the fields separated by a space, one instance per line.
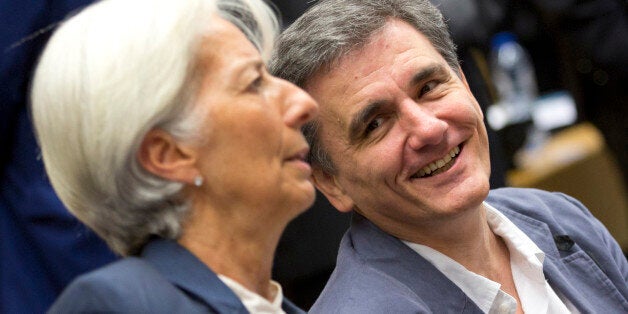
x=165 y=278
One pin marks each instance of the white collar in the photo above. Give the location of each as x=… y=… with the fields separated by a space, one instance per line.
x=254 y=302
x=482 y=291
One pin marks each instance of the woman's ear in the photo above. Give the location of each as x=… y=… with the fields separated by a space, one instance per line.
x=162 y=155
x=329 y=186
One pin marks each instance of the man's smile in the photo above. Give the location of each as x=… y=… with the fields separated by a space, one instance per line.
x=438 y=166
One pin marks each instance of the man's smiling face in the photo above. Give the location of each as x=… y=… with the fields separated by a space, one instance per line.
x=404 y=132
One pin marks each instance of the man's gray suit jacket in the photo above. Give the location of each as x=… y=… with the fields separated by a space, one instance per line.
x=377 y=273
x=166 y=278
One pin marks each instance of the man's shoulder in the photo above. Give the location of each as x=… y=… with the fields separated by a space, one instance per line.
x=525 y=195
x=531 y=209
x=356 y=287
x=538 y=204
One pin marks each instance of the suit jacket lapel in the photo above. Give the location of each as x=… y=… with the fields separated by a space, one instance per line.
x=290 y=308
x=188 y=273
x=553 y=267
x=389 y=255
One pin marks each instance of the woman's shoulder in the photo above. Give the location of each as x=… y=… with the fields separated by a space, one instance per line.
x=128 y=285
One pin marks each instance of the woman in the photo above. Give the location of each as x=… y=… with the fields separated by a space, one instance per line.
x=161 y=130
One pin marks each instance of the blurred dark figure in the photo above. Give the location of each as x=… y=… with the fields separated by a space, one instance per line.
x=306 y=255
x=42 y=246
x=290 y=10
x=590 y=55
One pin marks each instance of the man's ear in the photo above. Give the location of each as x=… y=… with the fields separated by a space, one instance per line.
x=161 y=155
x=328 y=185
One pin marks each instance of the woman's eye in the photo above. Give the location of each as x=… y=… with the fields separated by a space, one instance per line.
x=428 y=87
x=255 y=85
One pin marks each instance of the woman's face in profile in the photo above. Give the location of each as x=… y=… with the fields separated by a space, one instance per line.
x=252 y=152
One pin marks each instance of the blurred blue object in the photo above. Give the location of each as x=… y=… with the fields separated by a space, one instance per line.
x=42 y=246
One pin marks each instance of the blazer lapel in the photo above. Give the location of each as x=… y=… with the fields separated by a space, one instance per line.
x=290 y=308
x=185 y=271
x=393 y=257
x=554 y=269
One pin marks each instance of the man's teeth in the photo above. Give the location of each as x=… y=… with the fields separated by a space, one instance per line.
x=434 y=166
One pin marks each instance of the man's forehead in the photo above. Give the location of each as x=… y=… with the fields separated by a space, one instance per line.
x=336 y=103
x=352 y=63
x=331 y=118
x=385 y=63
x=340 y=88
x=384 y=53
x=330 y=90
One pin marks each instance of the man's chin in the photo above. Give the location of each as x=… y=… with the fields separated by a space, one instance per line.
x=464 y=197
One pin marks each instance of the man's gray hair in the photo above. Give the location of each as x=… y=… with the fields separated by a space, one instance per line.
x=108 y=75
x=332 y=28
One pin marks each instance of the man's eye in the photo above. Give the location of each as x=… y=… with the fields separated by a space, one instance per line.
x=429 y=86
x=374 y=124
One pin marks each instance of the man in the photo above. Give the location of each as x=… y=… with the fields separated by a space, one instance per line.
x=400 y=141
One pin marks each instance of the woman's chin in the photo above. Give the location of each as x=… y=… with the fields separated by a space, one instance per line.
x=304 y=200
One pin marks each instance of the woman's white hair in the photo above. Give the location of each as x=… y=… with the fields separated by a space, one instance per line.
x=108 y=75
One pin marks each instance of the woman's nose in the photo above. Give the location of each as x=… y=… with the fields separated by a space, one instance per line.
x=300 y=106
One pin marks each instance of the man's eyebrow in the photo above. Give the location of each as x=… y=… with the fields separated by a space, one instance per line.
x=361 y=117
x=428 y=72
x=364 y=114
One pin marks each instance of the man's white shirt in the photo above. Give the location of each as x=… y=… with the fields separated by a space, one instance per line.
x=526 y=262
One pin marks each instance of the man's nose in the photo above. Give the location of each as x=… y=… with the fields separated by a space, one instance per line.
x=300 y=107
x=423 y=127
